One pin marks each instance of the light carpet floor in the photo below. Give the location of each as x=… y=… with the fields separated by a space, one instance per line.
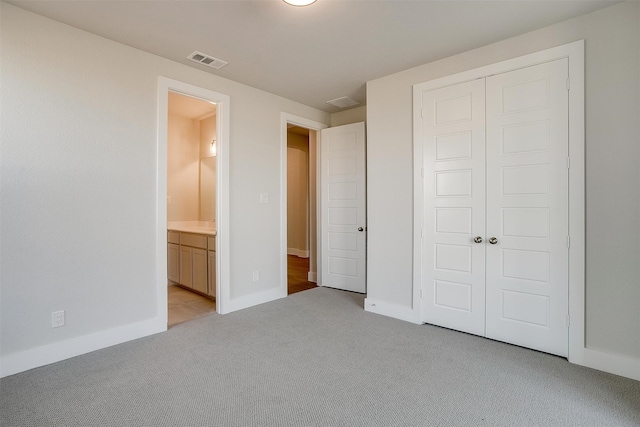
x=316 y=358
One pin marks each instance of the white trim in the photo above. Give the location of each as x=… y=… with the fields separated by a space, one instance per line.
x=61 y=350
x=223 y=124
x=298 y=252
x=312 y=276
x=286 y=118
x=624 y=366
x=253 y=299
x=392 y=310
x=577 y=203
x=575 y=54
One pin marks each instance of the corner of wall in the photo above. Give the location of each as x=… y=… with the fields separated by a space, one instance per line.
x=347 y=117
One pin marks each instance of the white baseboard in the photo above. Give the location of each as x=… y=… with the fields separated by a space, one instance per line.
x=312 y=276
x=255 y=299
x=625 y=366
x=298 y=252
x=51 y=353
x=392 y=310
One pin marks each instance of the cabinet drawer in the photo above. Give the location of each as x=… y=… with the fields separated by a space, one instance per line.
x=195 y=240
x=174 y=237
x=212 y=243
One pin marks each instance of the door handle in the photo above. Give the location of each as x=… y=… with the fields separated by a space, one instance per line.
x=360 y=229
x=477 y=239
x=493 y=240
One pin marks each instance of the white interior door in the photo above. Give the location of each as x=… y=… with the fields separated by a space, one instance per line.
x=343 y=208
x=453 y=274
x=527 y=207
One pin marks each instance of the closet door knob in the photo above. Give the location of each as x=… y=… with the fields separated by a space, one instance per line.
x=477 y=239
x=493 y=240
x=360 y=229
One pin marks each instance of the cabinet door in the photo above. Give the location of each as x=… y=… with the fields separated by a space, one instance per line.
x=186 y=275
x=212 y=273
x=199 y=270
x=173 y=262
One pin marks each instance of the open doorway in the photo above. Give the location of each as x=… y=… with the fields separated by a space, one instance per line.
x=301 y=202
x=203 y=256
x=299 y=148
x=191 y=207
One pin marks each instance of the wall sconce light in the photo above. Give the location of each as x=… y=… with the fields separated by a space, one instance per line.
x=212 y=149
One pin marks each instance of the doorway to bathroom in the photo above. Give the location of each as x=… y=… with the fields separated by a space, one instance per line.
x=191 y=207
x=193 y=201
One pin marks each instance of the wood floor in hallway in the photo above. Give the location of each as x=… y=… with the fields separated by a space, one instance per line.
x=185 y=305
x=298 y=269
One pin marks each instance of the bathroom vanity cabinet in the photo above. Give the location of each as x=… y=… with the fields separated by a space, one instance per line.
x=191 y=261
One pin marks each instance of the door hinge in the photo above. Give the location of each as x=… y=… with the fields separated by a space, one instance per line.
x=422 y=233
x=422 y=172
x=422 y=113
x=568 y=84
x=568 y=162
x=568 y=321
x=568 y=241
x=421 y=293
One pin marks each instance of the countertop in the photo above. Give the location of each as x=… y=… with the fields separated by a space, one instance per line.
x=198 y=227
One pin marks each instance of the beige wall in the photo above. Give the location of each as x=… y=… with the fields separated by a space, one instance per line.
x=298 y=194
x=208 y=177
x=207 y=134
x=183 y=168
x=612 y=169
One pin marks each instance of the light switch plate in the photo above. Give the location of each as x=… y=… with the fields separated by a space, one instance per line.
x=264 y=197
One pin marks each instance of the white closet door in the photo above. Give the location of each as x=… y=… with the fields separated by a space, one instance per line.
x=453 y=266
x=527 y=207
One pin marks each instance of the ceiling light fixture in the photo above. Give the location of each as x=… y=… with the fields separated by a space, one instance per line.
x=299 y=2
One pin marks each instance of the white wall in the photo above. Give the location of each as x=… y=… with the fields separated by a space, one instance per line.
x=78 y=184
x=612 y=169
x=347 y=117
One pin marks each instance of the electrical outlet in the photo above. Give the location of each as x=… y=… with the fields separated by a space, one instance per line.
x=256 y=276
x=57 y=319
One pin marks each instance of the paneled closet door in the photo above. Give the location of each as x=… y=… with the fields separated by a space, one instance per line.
x=453 y=265
x=527 y=207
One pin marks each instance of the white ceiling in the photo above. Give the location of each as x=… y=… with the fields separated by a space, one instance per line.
x=316 y=53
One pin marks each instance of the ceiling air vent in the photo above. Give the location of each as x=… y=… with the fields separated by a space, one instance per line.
x=343 y=102
x=207 y=60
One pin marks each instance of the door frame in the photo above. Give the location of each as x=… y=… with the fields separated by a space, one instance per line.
x=574 y=52
x=286 y=119
x=223 y=122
